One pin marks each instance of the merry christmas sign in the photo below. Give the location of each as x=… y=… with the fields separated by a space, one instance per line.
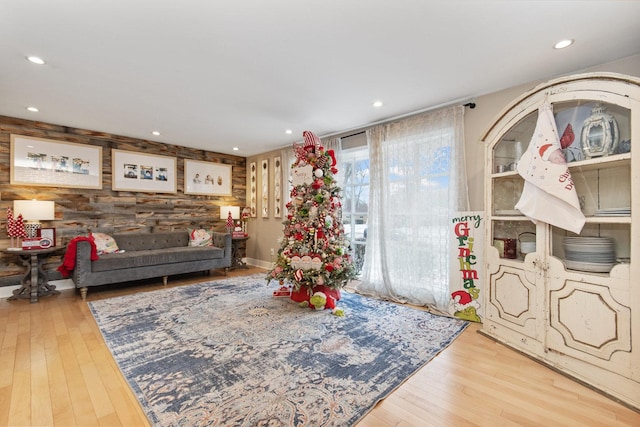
x=302 y=175
x=465 y=276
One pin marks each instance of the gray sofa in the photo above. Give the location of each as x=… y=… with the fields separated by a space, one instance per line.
x=148 y=255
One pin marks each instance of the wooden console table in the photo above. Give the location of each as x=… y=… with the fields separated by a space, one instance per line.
x=35 y=282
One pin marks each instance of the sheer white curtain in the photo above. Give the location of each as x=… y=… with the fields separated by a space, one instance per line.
x=418 y=181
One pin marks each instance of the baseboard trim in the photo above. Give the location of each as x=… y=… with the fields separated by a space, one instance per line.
x=267 y=265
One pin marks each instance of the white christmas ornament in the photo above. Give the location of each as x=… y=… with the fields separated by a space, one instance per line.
x=318 y=173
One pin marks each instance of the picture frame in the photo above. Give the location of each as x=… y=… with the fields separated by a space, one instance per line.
x=207 y=178
x=265 y=189
x=53 y=163
x=49 y=233
x=151 y=173
x=277 y=187
x=253 y=189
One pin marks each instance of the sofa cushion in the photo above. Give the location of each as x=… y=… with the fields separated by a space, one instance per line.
x=143 y=241
x=105 y=244
x=129 y=259
x=200 y=236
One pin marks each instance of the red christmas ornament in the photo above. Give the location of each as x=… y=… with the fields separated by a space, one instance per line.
x=567 y=137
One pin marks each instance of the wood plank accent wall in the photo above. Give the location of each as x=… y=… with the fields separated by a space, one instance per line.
x=80 y=210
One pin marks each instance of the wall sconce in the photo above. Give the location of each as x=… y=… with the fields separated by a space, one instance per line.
x=230 y=211
x=34 y=211
x=600 y=134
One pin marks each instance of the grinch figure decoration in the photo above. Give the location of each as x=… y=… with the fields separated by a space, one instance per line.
x=313 y=258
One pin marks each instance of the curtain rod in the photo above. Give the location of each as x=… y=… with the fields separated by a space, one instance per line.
x=360 y=129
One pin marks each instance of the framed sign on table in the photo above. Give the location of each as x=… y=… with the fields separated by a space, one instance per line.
x=50 y=163
x=151 y=173
x=49 y=233
x=207 y=178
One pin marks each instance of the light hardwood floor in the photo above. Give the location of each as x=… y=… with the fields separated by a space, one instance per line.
x=56 y=370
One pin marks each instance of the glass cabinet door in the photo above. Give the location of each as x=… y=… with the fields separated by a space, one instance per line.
x=595 y=138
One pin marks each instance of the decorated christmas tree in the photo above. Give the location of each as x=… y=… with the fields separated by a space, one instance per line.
x=313 y=256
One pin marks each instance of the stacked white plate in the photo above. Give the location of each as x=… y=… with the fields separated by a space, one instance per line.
x=613 y=212
x=592 y=254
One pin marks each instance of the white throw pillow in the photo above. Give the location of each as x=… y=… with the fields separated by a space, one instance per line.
x=105 y=244
x=200 y=237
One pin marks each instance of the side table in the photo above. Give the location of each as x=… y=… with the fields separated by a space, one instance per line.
x=35 y=282
x=238 y=251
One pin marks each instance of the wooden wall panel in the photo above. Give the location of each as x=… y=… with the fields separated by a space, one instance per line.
x=80 y=210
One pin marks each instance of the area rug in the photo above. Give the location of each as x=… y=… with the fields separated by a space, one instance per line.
x=228 y=353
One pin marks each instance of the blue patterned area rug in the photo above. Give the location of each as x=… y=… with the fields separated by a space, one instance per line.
x=227 y=353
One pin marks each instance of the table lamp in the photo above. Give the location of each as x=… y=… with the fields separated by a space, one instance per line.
x=34 y=211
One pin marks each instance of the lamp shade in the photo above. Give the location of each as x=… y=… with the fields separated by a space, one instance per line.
x=235 y=212
x=35 y=210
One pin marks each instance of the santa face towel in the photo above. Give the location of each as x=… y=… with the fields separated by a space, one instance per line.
x=549 y=194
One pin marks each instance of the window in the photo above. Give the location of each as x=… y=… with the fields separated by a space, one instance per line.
x=355 y=203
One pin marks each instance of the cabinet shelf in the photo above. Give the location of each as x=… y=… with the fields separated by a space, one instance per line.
x=504 y=174
x=612 y=161
x=608 y=219
x=589 y=219
x=509 y=218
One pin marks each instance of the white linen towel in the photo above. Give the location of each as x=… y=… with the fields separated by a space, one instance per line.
x=549 y=194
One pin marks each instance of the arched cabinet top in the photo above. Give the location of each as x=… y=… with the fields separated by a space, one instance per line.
x=564 y=88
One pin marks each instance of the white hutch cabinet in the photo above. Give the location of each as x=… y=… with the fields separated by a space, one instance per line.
x=570 y=301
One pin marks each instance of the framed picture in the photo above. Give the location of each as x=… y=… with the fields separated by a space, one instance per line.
x=277 y=187
x=207 y=178
x=253 y=173
x=49 y=233
x=131 y=171
x=45 y=162
x=265 y=189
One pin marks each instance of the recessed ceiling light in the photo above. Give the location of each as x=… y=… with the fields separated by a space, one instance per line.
x=235 y=148
x=563 y=43
x=288 y=131
x=36 y=60
x=377 y=104
x=156 y=133
x=33 y=109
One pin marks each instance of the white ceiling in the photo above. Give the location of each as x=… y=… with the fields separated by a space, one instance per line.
x=215 y=74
